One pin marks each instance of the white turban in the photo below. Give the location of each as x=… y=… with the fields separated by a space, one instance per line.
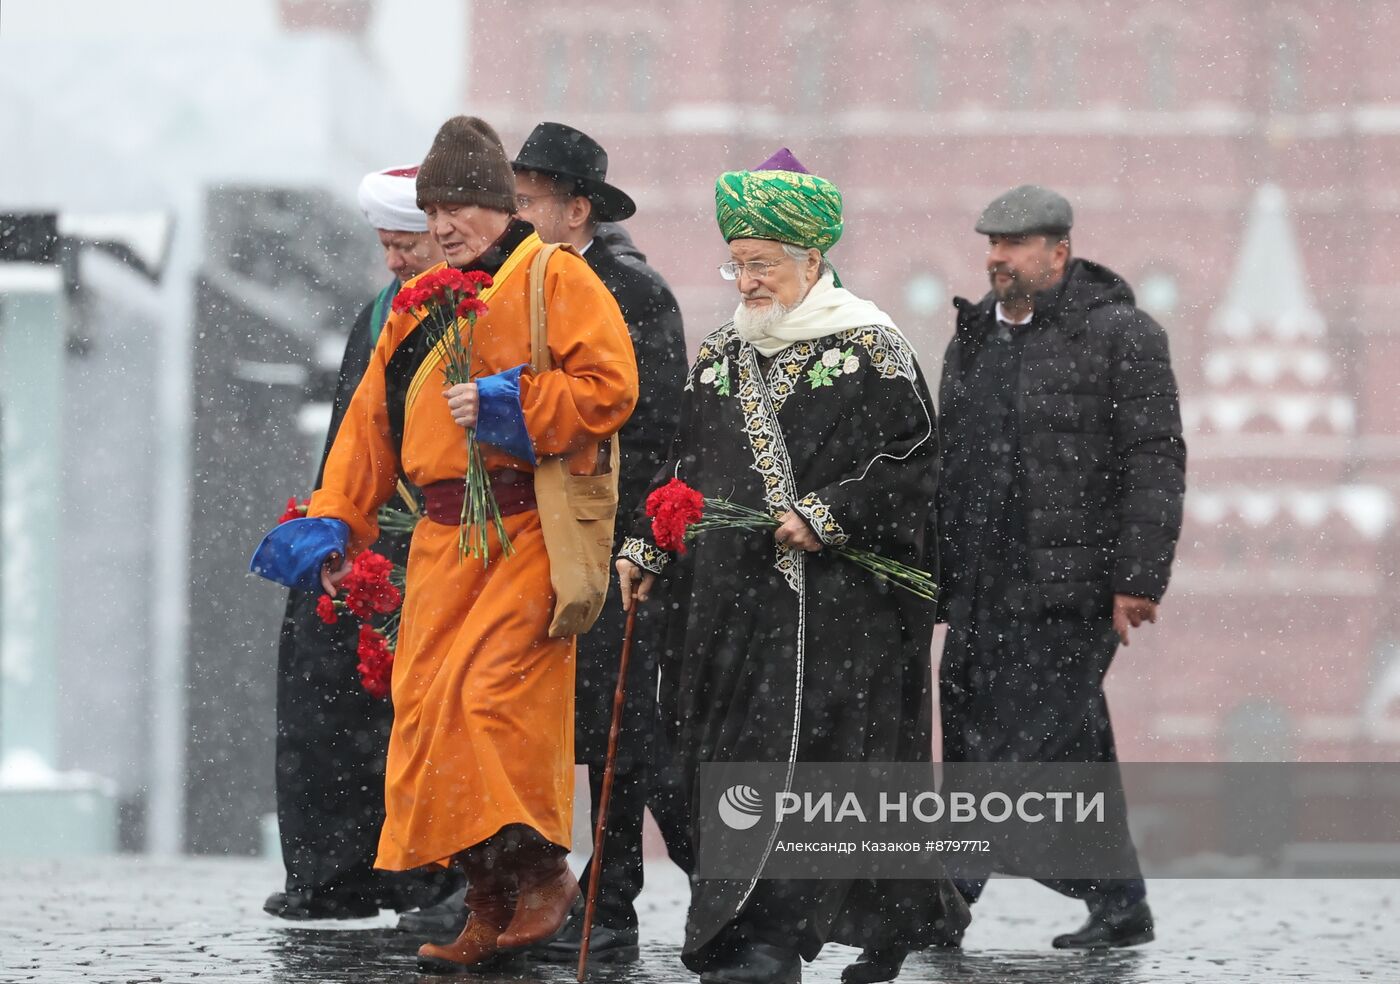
x=389 y=200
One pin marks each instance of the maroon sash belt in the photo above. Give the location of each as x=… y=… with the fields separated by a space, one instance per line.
x=514 y=492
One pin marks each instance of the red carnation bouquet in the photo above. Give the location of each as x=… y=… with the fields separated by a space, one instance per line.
x=674 y=509
x=372 y=592
x=373 y=589
x=679 y=513
x=450 y=304
x=376 y=666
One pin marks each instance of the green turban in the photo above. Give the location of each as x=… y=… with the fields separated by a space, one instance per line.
x=786 y=206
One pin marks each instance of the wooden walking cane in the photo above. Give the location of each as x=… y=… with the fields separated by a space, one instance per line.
x=600 y=826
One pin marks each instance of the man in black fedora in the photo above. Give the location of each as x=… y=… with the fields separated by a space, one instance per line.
x=562 y=189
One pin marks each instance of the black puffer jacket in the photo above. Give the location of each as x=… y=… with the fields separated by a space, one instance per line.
x=1103 y=459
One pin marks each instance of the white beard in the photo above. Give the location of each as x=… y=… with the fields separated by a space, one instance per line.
x=824 y=310
x=753 y=324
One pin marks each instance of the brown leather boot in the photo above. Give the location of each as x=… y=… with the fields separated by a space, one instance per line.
x=492 y=905
x=547 y=892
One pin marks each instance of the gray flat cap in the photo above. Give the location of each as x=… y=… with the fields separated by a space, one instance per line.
x=1026 y=210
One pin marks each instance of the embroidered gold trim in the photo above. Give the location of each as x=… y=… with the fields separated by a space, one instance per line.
x=823 y=522
x=647 y=556
x=770 y=455
x=889 y=354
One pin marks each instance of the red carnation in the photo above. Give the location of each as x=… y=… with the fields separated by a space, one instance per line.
x=371 y=565
x=325 y=610
x=479 y=279
x=376 y=661
x=673 y=508
x=407 y=299
x=453 y=279
x=471 y=307
x=411 y=298
x=294 y=510
x=430 y=295
x=368 y=590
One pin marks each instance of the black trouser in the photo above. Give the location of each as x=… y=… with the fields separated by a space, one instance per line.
x=332 y=740
x=632 y=792
x=643 y=777
x=1015 y=686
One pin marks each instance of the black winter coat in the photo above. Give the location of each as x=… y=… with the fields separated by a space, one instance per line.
x=1102 y=454
x=654 y=319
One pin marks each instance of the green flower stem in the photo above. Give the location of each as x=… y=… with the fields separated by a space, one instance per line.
x=480 y=511
x=391 y=630
x=395 y=521
x=721 y=514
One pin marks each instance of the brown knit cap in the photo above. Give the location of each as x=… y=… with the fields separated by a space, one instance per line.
x=467 y=165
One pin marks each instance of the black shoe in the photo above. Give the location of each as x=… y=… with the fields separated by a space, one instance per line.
x=444 y=920
x=949 y=934
x=1110 y=925
x=606 y=944
x=758 y=963
x=875 y=965
x=404 y=891
x=308 y=905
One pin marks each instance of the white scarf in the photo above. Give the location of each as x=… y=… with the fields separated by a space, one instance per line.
x=825 y=310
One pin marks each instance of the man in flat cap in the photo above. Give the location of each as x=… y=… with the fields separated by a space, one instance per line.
x=809 y=407
x=1060 y=507
x=562 y=189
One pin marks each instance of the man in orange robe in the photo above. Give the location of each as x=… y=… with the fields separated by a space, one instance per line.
x=481 y=757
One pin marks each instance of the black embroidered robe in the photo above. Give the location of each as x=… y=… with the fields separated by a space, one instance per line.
x=783 y=656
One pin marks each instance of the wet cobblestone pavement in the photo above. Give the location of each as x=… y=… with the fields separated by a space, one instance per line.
x=142 y=921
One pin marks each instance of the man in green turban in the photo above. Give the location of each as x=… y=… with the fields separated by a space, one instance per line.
x=779 y=221
x=809 y=406
x=780 y=201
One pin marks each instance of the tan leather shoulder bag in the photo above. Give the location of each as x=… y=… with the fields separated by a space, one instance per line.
x=577 y=512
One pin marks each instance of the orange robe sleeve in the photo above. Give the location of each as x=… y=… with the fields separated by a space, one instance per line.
x=362 y=469
x=592 y=390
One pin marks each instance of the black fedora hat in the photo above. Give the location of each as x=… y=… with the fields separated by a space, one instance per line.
x=563 y=152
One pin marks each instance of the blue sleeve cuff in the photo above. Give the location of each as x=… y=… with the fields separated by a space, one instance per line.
x=501 y=421
x=293 y=552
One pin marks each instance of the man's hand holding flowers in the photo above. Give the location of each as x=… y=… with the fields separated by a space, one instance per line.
x=793 y=531
x=333 y=571
x=464 y=403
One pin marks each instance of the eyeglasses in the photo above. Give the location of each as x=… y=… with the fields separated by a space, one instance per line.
x=758 y=269
x=525 y=201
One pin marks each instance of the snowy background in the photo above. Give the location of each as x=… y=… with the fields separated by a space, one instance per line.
x=1235 y=163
